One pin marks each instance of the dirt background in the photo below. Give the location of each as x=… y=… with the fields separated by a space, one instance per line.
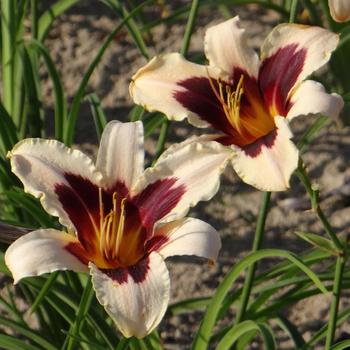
x=73 y=42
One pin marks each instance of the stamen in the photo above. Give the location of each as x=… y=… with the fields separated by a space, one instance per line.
x=121 y=225
x=230 y=104
x=111 y=227
x=100 y=203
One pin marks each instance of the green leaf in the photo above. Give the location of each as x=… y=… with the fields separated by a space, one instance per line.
x=8 y=44
x=244 y=327
x=8 y=133
x=66 y=303
x=312 y=132
x=81 y=313
x=131 y=25
x=319 y=242
x=29 y=204
x=73 y=114
x=44 y=290
x=123 y=344
x=345 y=344
x=33 y=101
x=97 y=113
x=291 y=330
x=10 y=343
x=60 y=98
x=136 y=113
x=188 y=305
x=48 y=17
x=152 y=121
x=321 y=333
x=205 y=329
x=28 y=333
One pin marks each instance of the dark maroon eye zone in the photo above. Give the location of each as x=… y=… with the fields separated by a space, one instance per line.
x=84 y=202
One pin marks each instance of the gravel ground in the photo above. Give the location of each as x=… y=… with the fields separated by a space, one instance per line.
x=72 y=44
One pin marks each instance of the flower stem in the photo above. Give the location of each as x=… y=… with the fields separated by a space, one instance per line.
x=161 y=140
x=293 y=11
x=83 y=309
x=248 y=283
x=313 y=193
x=189 y=27
x=332 y=323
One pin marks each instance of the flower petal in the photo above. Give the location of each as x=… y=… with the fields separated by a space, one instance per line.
x=121 y=155
x=40 y=252
x=268 y=163
x=340 y=10
x=289 y=54
x=226 y=48
x=186 y=237
x=188 y=172
x=43 y=165
x=311 y=98
x=137 y=297
x=155 y=86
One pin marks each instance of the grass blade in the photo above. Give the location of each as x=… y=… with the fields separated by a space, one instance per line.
x=203 y=335
x=48 y=17
x=8 y=33
x=60 y=99
x=244 y=327
x=28 y=333
x=73 y=114
x=10 y=343
x=131 y=25
x=97 y=113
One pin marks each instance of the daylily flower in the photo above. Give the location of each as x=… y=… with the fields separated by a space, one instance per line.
x=340 y=10
x=248 y=101
x=122 y=221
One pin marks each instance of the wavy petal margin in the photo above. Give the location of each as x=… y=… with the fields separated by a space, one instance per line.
x=188 y=237
x=226 y=47
x=136 y=301
x=268 y=163
x=311 y=98
x=195 y=166
x=42 y=251
x=43 y=165
x=121 y=154
x=155 y=85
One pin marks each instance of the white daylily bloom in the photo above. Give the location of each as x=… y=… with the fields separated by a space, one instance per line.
x=126 y=220
x=248 y=100
x=340 y=10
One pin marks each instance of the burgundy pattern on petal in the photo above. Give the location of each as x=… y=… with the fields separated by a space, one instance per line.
x=80 y=200
x=199 y=98
x=157 y=200
x=254 y=149
x=278 y=75
x=137 y=272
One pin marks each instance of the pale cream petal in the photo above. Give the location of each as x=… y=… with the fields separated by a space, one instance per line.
x=121 y=153
x=134 y=301
x=226 y=48
x=42 y=165
x=311 y=98
x=192 y=170
x=268 y=164
x=291 y=52
x=340 y=10
x=189 y=237
x=40 y=252
x=154 y=86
